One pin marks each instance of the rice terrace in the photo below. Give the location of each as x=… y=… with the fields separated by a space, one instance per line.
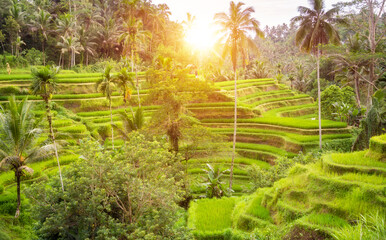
x=206 y=120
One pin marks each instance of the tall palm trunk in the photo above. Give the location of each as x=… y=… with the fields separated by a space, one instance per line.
x=357 y=92
x=111 y=121
x=319 y=103
x=136 y=76
x=234 y=135
x=17 y=175
x=44 y=56
x=52 y=136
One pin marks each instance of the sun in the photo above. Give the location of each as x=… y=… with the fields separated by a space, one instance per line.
x=201 y=36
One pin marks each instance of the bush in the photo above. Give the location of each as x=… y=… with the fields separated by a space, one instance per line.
x=337 y=103
x=4 y=236
x=33 y=56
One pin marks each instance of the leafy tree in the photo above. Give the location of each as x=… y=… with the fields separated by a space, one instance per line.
x=129 y=195
x=106 y=86
x=375 y=122
x=369 y=24
x=18 y=134
x=2 y=39
x=336 y=103
x=12 y=28
x=316 y=29
x=44 y=84
x=236 y=27
x=173 y=90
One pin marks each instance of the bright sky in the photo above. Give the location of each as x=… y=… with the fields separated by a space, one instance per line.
x=267 y=12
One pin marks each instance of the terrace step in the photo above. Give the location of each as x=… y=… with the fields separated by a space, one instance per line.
x=277 y=103
x=279 y=128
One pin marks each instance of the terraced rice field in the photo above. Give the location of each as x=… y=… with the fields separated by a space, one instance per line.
x=273 y=121
x=315 y=200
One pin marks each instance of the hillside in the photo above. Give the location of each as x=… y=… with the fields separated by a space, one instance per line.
x=315 y=201
x=273 y=121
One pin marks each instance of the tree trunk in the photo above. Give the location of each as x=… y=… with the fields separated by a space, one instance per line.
x=111 y=122
x=44 y=56
x=319 y=103
x=60 y=59
x=69 y=59
x=136 y=76
x=86 y=58
x=52 y=136
x=234 y=135
x=357 y=92
x=18 y=194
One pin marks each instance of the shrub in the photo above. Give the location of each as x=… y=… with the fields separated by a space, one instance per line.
x=33 y=56
x=336 y=103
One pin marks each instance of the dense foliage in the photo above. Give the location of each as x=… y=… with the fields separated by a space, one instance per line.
x=131 y=193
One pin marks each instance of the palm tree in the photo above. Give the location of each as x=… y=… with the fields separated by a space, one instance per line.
x=18 y=43
x=44 y=84
x=71 y=46
x=236 y=27
x=132 y=36
x=106 y=86
x=18 y=134
x=316 y=29
x=133 y=123
x=125 y=81
x=87 y=44
x=42 y=22
x=213 y=182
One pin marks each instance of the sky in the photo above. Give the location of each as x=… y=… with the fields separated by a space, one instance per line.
x=267 y=12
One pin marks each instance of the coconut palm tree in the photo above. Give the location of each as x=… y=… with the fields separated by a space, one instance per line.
x=314 y=30
x=18 y=43
x=87 y=44
x=42 y=23
x=133 y=123
x=133 y=36
x=106 y=86
x=18 y=134
x=236 y=28
x=44 y=84
x=71 y=46
x=125 y=82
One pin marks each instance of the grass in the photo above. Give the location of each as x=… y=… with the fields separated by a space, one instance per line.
x=356 y=158
x=378 y=144
x=289 y=136
x=277 y=111
x=211 y=214
x=286 y=122
x=264 y=148
x=237 y=160
x=80 y=128
x=263 y=94
x=257 y=210
x=282 y=99
x=245 y=85
x=325 y=220
x=231 y=83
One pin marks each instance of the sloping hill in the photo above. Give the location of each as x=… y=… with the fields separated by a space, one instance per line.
x=314 y=202
x=263 y=133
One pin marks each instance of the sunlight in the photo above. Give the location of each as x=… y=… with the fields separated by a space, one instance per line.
x=201 y=36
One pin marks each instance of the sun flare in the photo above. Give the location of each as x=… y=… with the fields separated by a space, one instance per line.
x=201 y=36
